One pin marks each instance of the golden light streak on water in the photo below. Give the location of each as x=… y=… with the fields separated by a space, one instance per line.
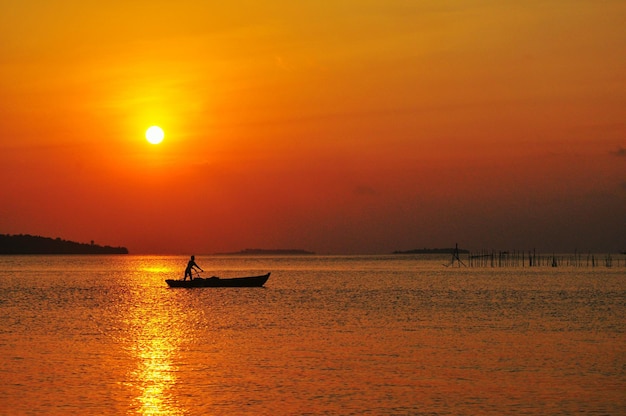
x=155 y=375
x=155 y=342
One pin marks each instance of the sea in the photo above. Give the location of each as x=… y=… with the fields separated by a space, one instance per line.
x=327 y=335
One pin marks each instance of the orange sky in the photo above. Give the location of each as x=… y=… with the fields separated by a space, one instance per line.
x=336 y=127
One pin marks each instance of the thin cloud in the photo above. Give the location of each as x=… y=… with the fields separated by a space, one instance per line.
x=364 y=190
x=620 y=152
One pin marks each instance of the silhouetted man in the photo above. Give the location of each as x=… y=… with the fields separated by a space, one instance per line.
x=190 y=266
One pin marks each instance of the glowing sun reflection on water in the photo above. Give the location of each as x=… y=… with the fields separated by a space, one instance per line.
x=155 y=341
x=155 y=375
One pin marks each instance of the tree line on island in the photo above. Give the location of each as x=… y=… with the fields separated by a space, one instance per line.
x=297 y=252
x=29 y=244
x=433 y=251
x=263 y=252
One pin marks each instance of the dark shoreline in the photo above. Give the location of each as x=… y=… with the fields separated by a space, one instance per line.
x=29 y=244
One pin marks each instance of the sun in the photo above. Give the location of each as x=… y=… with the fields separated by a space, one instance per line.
x=155 y=134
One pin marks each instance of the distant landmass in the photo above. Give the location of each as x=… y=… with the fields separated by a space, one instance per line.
x=264 y=252
x=432 y=251
x=29 y=244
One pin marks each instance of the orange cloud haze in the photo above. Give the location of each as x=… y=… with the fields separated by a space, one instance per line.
x=337 y=127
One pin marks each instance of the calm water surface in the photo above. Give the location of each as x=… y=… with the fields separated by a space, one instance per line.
x=385 y=335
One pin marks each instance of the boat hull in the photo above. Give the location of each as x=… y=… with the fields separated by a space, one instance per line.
x=251 y=281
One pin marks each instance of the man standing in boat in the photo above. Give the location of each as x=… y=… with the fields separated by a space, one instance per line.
x=190 y=267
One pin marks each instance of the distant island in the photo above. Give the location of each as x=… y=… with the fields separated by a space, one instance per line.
x=29 y=244
x=432 y=251
x=272 y=252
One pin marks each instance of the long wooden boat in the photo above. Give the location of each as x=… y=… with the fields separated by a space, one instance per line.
x=251 y=281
